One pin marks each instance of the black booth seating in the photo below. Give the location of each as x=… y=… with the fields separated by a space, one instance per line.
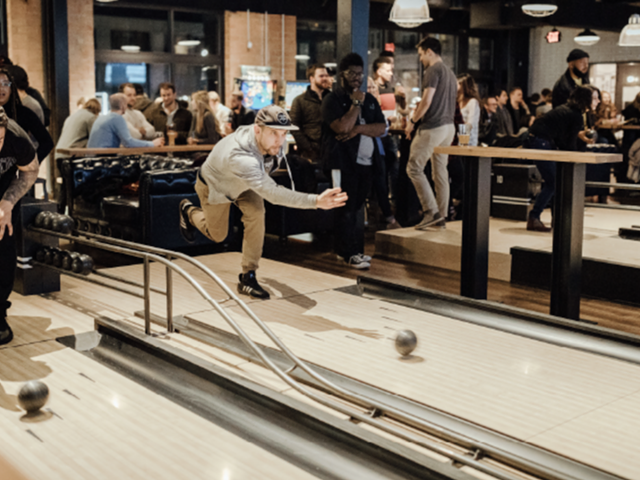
x=132 y=197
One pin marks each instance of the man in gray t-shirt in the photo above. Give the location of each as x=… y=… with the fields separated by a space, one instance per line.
x=434 y=117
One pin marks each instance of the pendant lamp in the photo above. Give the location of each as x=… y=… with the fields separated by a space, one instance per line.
x=630 y=34
x=539 y=9
x=586 y=38
x=410 y=13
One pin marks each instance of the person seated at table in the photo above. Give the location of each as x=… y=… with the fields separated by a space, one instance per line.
x=170 y=115
x=222 y=113
x=558 y=129
x=204 y=125
x=111 y=131
x=139 y=127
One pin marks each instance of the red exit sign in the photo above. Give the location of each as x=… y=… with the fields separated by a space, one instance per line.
x=553 y=36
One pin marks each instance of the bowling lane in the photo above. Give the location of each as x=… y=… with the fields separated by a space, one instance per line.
x=520 y=387
x=102 y=425
x=280 y=280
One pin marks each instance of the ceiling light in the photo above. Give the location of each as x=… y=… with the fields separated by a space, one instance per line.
x=410 y=13
x=586 y=38
x=130 y=48
x=539 y=9
x=630 y=34
x=302 y=57
x=189 y=43
x=106 y=1
x=331 y=65
x=204 y=52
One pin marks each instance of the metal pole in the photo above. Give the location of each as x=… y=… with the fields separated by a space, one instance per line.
x=147 y=296
x=169 y=300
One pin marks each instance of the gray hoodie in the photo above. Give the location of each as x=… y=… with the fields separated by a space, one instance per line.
x=236 y=165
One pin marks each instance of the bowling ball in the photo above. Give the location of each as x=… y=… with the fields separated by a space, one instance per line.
x=33 y=395
x=47 y=222
x=48 y=255
x=67 y=261
x=82 y=264
x=67 y=224
x=56 y=222
x=39 y=221
x=406 y=342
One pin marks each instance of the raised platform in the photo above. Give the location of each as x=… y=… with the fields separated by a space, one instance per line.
x=602 y=246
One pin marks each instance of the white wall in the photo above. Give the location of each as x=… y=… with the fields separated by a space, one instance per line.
x=548 y=61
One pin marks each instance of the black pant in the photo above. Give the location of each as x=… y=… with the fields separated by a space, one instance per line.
x=356 y=181
x=7 y=272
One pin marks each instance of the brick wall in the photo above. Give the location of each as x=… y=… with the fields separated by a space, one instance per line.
x=82 y=78
x=24 y=36
x=548 y=61
x=237 y=53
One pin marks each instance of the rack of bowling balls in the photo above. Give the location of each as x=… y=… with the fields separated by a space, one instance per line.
x=74 y=262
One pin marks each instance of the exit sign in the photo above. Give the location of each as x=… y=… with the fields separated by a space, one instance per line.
x=553 y=36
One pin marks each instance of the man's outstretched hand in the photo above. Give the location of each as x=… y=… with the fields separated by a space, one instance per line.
x=331 y=198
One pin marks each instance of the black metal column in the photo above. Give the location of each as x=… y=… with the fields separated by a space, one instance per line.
x=353 y=30
x=568 y=222
x=474 y=268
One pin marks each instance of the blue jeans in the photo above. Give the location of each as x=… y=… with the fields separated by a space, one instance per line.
x=548 y=172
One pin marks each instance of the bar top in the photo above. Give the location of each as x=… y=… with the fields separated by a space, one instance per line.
x=530 y=154
x=78 y=152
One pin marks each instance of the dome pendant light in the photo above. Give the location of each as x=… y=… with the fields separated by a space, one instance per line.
x=630 y=34
x=586 y=38
x=410 y=13
x=539 y=9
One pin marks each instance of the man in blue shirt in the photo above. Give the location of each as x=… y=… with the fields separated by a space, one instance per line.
x=110 y=131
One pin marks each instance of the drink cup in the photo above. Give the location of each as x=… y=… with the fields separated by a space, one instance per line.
x=464 y=131
x=171 y=135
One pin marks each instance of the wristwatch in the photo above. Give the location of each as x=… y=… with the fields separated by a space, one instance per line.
x=413 y=121
x=356 y=102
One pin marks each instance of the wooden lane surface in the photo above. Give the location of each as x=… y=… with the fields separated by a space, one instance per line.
x=106 y=426
x=278 y=281
x=540 y=393
x=85 y=152
x=531 y=154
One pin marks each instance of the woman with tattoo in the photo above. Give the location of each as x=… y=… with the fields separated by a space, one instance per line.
x=18 y=172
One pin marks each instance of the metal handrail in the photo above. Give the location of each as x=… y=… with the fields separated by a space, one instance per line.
x=378 y=409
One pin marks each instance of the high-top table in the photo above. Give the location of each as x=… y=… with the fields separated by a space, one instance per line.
x=566 y=264
x=84 y=152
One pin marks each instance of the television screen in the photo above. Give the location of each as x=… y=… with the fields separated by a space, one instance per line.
x=257 y=93
x=293 y=90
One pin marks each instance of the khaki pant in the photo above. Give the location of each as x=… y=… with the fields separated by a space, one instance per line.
x=213 y=222
x=421 y=151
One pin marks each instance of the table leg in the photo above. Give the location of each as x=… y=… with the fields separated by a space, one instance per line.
x=474 y=268
x=568 y=222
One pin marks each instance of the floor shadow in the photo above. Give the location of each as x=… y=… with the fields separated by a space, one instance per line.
x=310 y=323
x=411 y=359
x=36 y=417
x=17 y=359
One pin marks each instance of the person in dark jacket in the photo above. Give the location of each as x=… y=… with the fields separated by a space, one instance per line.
x=559 y=129
x=170 y=115
x=241 y=115
x=28 y=121
x=306 y=112
x=577 y=74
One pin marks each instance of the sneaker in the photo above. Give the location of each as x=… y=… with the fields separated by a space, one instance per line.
x=429 y=221
x=6 y=334
x=248 y=285
x=358 y=261
x=535 y=225
x=187 y=230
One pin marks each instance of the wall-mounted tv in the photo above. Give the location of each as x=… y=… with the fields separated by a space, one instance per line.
x=293 y=90
x=257 y=93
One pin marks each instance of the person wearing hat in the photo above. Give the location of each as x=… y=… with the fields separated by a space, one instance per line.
x=238 y=171
x=577 y=74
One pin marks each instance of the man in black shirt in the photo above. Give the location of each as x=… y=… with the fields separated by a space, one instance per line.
x=352 y=119
x=577 y=74
x=17 y=155
x=241 y=115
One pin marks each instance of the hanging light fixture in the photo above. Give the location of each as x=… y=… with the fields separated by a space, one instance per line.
x=410 y=13
x=630 y=34
x=586 y=38
x=539 y=9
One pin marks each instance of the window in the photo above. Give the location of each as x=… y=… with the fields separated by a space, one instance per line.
x=134 y=29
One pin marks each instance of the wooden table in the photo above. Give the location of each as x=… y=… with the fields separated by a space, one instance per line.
x=84 y=152
x=566 y=265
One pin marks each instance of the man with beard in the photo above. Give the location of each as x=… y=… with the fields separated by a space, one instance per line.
x=577 y=74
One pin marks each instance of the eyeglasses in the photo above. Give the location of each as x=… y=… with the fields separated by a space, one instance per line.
x=5 y=84
x=352 y=74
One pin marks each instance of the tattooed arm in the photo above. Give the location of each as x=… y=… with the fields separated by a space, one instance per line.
x=27 y=176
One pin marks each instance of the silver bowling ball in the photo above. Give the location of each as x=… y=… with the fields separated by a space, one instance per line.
x=33 y=395
x=406 y=342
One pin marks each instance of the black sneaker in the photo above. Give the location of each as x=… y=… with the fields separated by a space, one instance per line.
x=248 y=285
x=6 y=335
x=187 y=230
